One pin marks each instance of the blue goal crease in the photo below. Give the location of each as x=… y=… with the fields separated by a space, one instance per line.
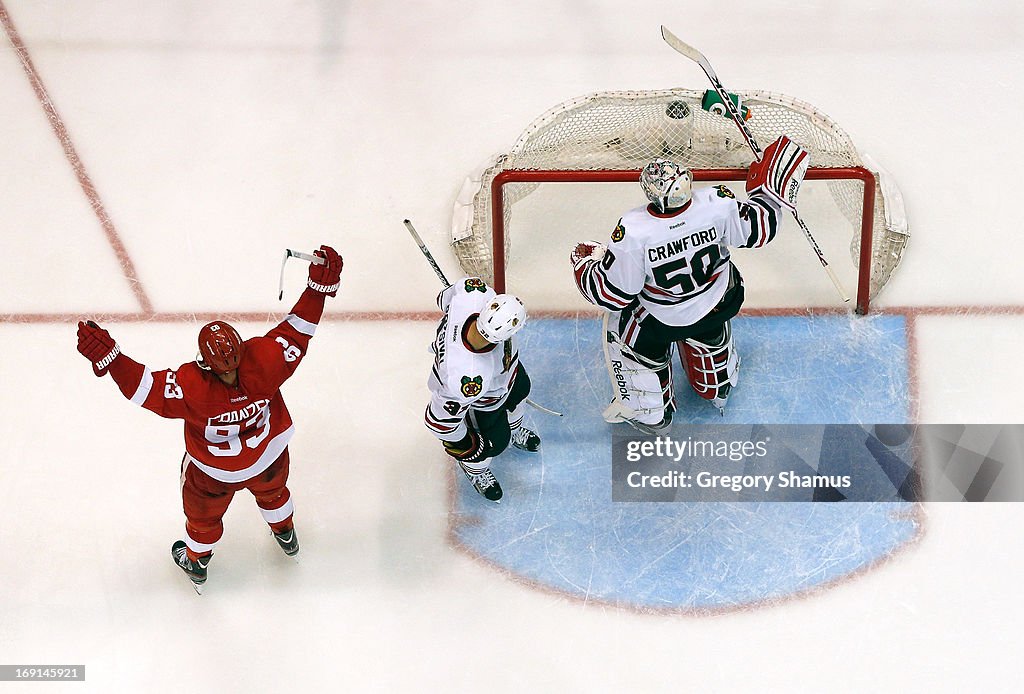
x=558 y=527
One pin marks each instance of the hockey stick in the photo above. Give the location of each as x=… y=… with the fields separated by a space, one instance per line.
x=426 y=252
x=696 y=56
x=289 y=253
x=543 y=409
x=444 y=280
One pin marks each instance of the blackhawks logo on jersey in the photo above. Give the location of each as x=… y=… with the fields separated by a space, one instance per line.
x=471 y=387
x=619 y=232
x=475 y=284
x=724 y=192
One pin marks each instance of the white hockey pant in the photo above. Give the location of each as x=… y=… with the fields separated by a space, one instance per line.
x=641 y=386
x=713 y=368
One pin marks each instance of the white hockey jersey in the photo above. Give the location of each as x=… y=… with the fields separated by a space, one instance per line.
x=677 y=264
x=463 y=378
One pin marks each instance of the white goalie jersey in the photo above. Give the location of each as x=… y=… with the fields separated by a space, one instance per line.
x=463 y=378
x=677 y=265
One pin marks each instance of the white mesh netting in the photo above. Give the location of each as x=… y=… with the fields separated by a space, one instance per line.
x=625 y=130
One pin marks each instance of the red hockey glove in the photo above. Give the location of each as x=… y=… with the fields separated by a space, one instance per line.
x=96 y=345
x=779 y=173
x=326 y=278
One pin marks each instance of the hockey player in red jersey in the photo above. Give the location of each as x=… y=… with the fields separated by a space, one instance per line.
x=237 y=426
x=666 y=278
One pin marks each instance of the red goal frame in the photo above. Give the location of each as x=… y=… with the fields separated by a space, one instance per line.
x=632 y=175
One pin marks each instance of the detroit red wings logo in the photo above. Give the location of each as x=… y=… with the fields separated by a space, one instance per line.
x=619 y=232
x=471 y=387
x=475 y=284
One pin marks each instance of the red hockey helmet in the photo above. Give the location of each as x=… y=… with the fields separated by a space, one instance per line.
x=220 y=347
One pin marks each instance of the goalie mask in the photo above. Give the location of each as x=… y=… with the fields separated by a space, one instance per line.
x=220 y=347
x=666 y=184
x=502 y=318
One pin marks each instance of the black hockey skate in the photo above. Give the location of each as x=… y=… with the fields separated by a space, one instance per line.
x=484 y=483
x=288 y=541
x=525 y=439
x=195 y=570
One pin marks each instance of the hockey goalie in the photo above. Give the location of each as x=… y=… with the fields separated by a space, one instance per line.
x=666 y=278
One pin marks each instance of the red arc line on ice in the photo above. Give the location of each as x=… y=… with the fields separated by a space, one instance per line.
x=84 y=181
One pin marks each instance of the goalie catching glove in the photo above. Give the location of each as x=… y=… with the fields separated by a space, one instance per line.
x=583 y=254
x=326 y=278
x=96 y=345
x=585 y=251
x=779 y=173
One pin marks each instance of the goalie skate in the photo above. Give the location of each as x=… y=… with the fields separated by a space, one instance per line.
x=616 y=413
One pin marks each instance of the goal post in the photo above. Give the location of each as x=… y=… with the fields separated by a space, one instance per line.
x=608 y=137
x=631 y=175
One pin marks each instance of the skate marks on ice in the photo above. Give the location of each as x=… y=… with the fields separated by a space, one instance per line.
x=558 y=530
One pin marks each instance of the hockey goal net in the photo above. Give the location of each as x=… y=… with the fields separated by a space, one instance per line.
x=610 y=136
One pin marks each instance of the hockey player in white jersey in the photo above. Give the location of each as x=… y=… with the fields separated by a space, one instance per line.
x=666 y=278
x=477 y=384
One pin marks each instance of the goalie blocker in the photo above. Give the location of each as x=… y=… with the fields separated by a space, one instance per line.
x=779 y=173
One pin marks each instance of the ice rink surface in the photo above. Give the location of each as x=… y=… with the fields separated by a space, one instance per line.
x=158 y=157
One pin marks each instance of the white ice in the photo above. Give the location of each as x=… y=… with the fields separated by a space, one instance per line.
x=217 y=134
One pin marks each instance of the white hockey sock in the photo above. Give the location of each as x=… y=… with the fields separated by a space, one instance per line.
x=477 y=467
x=515 y=417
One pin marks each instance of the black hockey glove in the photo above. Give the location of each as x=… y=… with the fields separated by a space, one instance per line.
x=472 y=448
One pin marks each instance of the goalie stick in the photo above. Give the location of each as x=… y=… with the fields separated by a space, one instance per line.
x=696 y=56
x=289 y=253
x=444 y=280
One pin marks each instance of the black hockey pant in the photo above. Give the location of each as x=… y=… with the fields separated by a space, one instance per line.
x=493 y=425
x=654 y=339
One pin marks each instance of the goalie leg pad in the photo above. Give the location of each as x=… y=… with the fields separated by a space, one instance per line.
x=642 y=386
x=712 y=364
